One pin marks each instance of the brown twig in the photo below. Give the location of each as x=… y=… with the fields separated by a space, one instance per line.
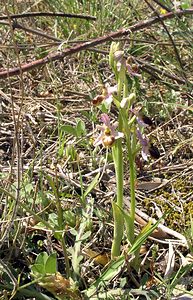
x=84 y=46
x=46 y=14
x=16 y=25
x=17 y=141
x=157 y=77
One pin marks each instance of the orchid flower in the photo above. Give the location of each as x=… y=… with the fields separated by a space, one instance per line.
x=108 y=92
x=142 y=119
x=108 y=133
x=144 y=143
x=106 y=96
x=132 y=69
x=147 y=147
x=122 y=61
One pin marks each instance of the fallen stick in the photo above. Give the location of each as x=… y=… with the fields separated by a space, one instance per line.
x=162 y=231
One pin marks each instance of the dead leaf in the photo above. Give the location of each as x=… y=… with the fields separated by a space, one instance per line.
x=170 y=261
x=151 y=185
x=98 y=258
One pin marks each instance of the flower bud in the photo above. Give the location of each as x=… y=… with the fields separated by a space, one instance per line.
x=114 y=48
x=124 y=103
x=132 y=98
x=118 y=55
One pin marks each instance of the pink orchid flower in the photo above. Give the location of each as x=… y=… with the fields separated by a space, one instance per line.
x=108 y=133
x=144 y=143
x=107 y=95
x=132 y=69
x=108 y=92
x=141 y=118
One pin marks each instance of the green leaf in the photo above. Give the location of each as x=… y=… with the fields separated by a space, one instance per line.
x=45 y=264
x=69 y=129
x=78 y=259
x=51 y=264
x=52 y=183
x=85 y=235
x=70 y=218
x=128 y=222
x=41 y=258
x=29 y=187
x=116 y=266
x=116 y=102
x=61 y=147
x=80 y=128
x=113 y=269
x=73 y=231
x=118 y=229
x=41 y=262
x=71 y=152
x=186 y=4
x=38 y=268
x=91 y=185
x=53 y=219
x=143 y=235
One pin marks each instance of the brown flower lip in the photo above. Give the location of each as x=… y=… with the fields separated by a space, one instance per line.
x=154 y=152
x=146 y=120
x=98 y=100
x=108 y=133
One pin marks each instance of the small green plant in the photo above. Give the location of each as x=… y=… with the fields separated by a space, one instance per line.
x=44 y=264
x=45 y=273
x=77 y=131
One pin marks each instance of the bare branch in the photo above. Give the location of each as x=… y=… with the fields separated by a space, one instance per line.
x=45 y=14
x=84 y=46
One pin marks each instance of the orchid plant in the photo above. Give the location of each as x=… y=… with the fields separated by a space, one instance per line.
x=128 y=130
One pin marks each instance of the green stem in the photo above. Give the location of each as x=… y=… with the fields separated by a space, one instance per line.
x=24 y=292
x=118 y=218
x=119 y=172
x=66 y=256
x=121 y=80
x=61 y=226
x=131 y=156
x=24 y=286
x=132 y=195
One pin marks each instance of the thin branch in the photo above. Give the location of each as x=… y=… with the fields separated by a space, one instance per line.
x=171 y=39
x=162 y=5
x=16 y=25
x=4 y=267
x=84 y=46
x=157 y=77
x=17 y=139
x=149 y=68
x=46 y=14
x=146 y=65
